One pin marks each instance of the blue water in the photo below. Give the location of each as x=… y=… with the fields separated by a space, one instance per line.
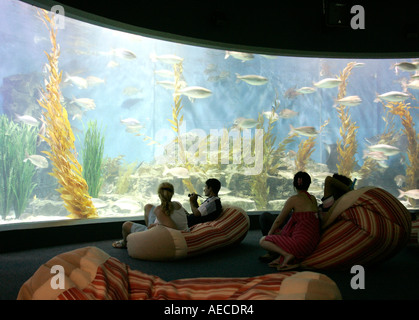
x=86 y=51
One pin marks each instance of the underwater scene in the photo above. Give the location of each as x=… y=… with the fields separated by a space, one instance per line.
x=94 y=119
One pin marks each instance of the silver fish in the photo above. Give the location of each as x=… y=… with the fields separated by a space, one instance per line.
x=79 y=82
x=407 y=66
x=124 y=53
x=287 y=113
x=304 y=131
x=27 y=119
x=178 y=172
x=194 y=92
x=166 y=58
x=254 y=80
x=130 y=122
x=350 y=101
x=386 y=149
x=306 y=90
x=328 y=83
x=243 y=56
x=85 y=103
x=394 y=96
x=413 y=193
x=244 y=123
x=37 y=160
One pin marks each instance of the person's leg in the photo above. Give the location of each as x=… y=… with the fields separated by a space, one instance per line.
x=266 y=219
x=126 y=230
x=272 y=247
x=149 y=216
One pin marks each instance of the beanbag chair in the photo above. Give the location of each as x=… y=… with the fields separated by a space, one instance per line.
x=91 y=274
x=363 y=227
x=162 y=244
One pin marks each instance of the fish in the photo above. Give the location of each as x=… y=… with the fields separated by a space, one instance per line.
x=93 y=81
x=129 y=103
x=306 y=90
x=287 y=113
x=27 y=120
x=166 y=58
x=407 y=66
x=376 y=155
x=130 y=122
x=393 y=96
x=254 y=80
x=386 y=149
x=37 y=160
x=112 y=64
x=413 y=193
x=99 y=203
x=167 y=84
x=86 y=103
x=414 y=84
x=123 y=53
x=328 y=83
x=304 y=131
x=350 y=101
x=194 y=92
x=243 y=56
x=79 y=82
x=127 y=204
x=244 y=123
x=165 y=73
x=130 y=91
x=271 y=115
x=178 y=172
x=400 y=180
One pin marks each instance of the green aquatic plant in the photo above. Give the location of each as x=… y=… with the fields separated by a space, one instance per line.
x=347 y=146
x=126 y=170
x=271 y=157
x=92 y=153
x=176 y=123
x=305 y=150
x=17 y=141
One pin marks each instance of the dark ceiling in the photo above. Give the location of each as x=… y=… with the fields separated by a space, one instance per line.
x=304 y=28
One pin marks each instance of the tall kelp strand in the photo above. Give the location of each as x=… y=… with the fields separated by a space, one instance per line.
x=59 y=136
x=347 y=146
x=412 y=171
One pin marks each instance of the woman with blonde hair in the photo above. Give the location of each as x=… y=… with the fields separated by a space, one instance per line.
x=169 y=213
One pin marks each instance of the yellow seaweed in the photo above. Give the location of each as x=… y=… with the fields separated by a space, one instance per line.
x=66 y=168
x=347 y=146
x=412 y=169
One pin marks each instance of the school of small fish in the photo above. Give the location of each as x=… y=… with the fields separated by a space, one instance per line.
x=164 y=78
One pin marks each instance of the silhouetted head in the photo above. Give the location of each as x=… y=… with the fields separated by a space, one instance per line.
x=214 y=185
x=302 y=181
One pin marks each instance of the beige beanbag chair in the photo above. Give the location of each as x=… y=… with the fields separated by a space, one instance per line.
x=161 y=243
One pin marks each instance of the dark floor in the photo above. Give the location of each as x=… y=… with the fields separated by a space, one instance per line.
x=393 y=279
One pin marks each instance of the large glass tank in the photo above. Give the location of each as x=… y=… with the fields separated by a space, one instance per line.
x=143 y=111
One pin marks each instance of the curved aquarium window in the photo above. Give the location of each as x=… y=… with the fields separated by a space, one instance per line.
x=93 y=119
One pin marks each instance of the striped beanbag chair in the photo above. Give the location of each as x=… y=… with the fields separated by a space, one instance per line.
x=162 y=244
x=364 y=227
x=91 y=274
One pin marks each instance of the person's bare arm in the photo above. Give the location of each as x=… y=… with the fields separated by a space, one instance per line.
x=289 y=205
x=193 y=201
